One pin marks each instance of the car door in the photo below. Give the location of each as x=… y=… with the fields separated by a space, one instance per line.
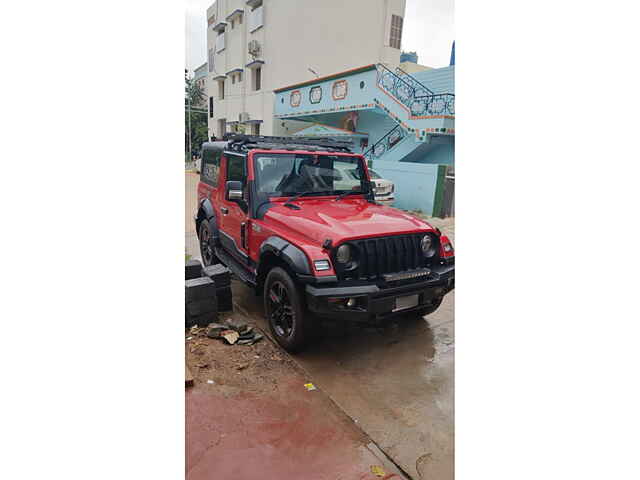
x=234 y=214
x=209 y=176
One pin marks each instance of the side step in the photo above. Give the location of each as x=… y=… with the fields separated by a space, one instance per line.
x=236 y=267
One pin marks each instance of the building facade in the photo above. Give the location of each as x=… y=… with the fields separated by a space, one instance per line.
x=403 y=123
x=200 y=77
x=256 y=46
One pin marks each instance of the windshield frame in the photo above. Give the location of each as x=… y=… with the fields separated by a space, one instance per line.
x=258 y=153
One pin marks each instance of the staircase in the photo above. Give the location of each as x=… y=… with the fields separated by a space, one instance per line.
x=416 y=109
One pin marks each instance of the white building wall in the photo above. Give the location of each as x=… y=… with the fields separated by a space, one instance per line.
x=328 y=36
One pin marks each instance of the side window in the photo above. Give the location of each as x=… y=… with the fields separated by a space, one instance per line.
x=236 y=169
x=210 y=167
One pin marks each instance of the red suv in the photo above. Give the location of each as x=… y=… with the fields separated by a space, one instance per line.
x=280 y=215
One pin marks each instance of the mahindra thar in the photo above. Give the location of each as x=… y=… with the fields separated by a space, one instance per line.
x=296 y=220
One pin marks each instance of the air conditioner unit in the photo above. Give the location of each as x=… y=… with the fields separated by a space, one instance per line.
x=254 y=48
x=244 y=116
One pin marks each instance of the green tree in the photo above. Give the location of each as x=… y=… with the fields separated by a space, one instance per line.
x=192 y=91
x=195 y=122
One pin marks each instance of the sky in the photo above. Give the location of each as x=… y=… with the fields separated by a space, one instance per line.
x=428 y=30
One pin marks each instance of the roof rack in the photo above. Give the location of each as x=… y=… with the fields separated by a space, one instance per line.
x=240 y=143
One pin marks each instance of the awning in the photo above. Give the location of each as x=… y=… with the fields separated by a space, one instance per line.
x=255 y=64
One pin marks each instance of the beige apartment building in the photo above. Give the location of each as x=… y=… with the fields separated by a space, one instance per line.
x=256 y=46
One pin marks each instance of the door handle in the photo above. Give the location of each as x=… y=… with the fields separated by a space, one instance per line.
x=224 y=210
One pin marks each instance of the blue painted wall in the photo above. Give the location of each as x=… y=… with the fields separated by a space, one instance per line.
x=356 y=95
x=415 y=184
x=440 y=150
x=440 y=80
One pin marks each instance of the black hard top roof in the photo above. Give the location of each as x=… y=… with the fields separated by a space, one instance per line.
x=244 y=143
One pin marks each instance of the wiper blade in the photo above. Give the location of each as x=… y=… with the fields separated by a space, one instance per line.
x=297 y=196
x=350 y=192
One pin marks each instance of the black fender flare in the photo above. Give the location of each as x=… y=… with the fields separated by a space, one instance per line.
x=206 y=212
x=293 y=256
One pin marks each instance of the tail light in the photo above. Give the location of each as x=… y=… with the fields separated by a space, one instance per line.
x=446 y=248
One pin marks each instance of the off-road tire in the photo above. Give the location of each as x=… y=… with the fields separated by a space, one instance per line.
x=206 y=247
x=295 y=314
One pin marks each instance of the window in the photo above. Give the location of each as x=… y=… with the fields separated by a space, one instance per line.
x=233 y=78
x=240 y=19
x=235 y=169
x=256 y=129
x=255 y=19
x=396 y=31
x=210 y=167
x=221 y=89
x=287 y=174
x=257 y=79
x=239 y=77
x=220 y=42
x=211 y=55
x=210 y=107
x=232 y=24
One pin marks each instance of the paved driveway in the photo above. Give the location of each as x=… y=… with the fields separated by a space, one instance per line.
x=395 y=382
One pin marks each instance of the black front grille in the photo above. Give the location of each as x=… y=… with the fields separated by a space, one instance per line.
x=378 y=256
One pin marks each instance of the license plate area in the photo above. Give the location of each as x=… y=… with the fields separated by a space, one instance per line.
x=402 y=303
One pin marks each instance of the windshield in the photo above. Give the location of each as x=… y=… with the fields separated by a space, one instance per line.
x=285 y=174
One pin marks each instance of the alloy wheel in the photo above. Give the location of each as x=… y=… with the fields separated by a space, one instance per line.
x=280 y=312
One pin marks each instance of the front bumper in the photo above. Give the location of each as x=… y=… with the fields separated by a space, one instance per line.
x=373 y=302
x=386 y=200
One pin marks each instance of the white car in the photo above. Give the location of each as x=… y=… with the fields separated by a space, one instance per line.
x=347 y=178
x=384 y=189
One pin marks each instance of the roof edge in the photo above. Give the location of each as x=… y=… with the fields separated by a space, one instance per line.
x=353 y=71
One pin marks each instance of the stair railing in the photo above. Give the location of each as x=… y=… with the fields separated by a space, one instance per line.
x=395 y=85
x=414 y=95
x=420 y=89
x=386 y=143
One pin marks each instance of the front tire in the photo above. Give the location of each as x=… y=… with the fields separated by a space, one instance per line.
x=285 y=311
x=206 y=244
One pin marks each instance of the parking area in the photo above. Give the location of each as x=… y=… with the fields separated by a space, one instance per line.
x=395 y=382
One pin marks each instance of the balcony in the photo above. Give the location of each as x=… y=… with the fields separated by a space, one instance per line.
x=219 y=27
x=237 y=13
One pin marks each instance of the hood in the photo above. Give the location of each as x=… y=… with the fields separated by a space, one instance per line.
x=349 y=218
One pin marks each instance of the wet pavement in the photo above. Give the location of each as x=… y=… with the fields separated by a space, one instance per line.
x=260 y=421
x=396 y=382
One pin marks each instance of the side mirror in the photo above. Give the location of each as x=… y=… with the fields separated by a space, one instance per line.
x=234 y=190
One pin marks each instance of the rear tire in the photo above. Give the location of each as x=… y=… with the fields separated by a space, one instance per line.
x=284 y=308
x=206 y=244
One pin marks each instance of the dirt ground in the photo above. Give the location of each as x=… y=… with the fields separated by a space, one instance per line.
x=250 y=368
x=249 y=415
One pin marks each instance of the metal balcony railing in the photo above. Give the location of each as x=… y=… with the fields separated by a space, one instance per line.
x=386 y=143
x=420 y=90
x=414 y=95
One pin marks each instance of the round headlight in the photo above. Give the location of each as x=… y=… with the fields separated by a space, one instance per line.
x=427 y=246
x=343 y=255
